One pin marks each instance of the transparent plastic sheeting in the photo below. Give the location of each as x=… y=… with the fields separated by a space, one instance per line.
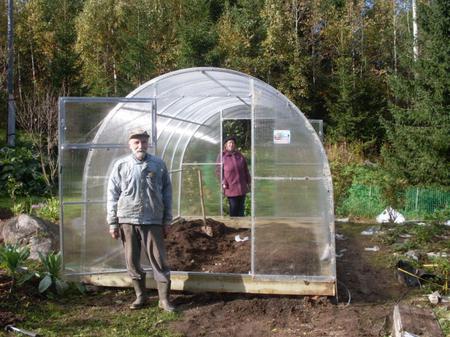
x=291 y=200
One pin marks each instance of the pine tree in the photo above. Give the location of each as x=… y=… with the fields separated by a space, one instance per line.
x=418 y=134
x=197 y=34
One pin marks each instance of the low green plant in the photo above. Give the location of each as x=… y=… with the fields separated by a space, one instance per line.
x=443 y=316
x=51 y=277
x=425 y=234
x=23 y=206
x=49 y=210
x=12 y=259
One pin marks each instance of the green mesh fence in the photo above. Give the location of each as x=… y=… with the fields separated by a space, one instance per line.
x=368 y=201
x=426 y=200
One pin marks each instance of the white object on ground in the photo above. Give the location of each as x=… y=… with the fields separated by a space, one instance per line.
x=341 y=253
x=412 y=254
x=390 y=215
x=409 y=334
x=372 y=249
x=340 y=236
x=370 y=231
x=447 y=223
x=440 y=254
x=434 y=297
x=405 y=236
x=239 y=239
x=342 y=220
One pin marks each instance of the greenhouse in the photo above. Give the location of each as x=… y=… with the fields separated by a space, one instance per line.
x=290 y=215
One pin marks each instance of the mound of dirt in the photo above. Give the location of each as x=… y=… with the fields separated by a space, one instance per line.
x=189 y=248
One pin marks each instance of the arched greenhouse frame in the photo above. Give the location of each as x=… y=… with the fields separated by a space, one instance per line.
x=291 y=217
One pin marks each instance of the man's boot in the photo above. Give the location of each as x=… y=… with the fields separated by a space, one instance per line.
x=139 y=289
x=163 y=292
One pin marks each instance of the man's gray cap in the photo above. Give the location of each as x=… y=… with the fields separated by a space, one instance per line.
x=138 y=133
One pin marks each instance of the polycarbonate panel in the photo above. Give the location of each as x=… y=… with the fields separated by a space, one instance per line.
x=72 y=166
x=292 y=193
x=286 y=198
x=89 y=146
x=72 y=235
x=295 y=155
x=190 y=191
x=202 y=83
x=103 y=122
x=290 y=222
x=290 y=247
x=84 y=229
x=204 y=145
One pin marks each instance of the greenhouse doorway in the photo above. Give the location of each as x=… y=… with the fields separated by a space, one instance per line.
x=242 y=130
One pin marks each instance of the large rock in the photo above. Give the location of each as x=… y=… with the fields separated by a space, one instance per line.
x=26 y=230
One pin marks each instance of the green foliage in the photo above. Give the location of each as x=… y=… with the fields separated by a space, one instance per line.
x=417 y=133
x=439 y=215
x=12 y=259
x=21 y=173
x=50 y=278
x=426 y=234
x=413 y=236
x=197 y=35
x=22 y=206
x=241 y=129
x=443 y=315
x=49 y=210
x=362 y=201
x=331 y=58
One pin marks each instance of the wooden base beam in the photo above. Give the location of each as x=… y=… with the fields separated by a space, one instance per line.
x=233 y=283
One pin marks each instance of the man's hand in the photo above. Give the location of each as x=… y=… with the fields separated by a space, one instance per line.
x=114 y=233
x=166 y=229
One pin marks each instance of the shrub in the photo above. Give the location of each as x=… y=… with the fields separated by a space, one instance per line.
x=20 y=173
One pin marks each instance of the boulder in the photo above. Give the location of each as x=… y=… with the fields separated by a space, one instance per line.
x=26 y=230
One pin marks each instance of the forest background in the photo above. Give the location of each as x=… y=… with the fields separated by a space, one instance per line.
x=383 y=95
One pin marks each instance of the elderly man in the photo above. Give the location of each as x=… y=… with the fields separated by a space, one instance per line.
x=139 y=211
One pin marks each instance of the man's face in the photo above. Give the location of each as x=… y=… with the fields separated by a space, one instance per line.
x=230 y=146
x=138 y=146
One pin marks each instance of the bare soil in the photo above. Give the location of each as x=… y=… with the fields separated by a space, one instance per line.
x=368 y=290
x=189 y=248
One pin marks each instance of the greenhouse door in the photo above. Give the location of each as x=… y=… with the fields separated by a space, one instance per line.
x=92 y=136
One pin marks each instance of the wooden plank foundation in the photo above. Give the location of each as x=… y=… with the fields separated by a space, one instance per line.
x=212 y=282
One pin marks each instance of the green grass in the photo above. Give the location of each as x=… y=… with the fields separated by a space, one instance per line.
x=77 y=316
x=443 y=316
x=6 y=202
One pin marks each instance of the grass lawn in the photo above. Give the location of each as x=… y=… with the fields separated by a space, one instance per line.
x=103 y=313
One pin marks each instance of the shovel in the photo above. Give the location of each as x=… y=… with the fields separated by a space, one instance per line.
x=205 y=228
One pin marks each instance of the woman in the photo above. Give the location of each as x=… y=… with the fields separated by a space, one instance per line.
x=235 y=177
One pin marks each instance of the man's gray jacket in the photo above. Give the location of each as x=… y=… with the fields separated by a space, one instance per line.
x=139 y=192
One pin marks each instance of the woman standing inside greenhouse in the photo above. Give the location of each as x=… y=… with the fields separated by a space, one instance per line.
x=235 y=176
